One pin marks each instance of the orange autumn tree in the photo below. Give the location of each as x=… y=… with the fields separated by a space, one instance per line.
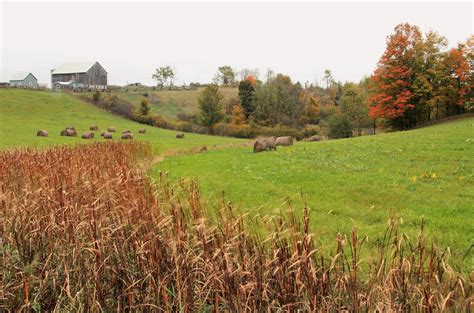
x=310 y=107
x=459 y=77
x=417 y=80
x=238 y=115
x=394 y=75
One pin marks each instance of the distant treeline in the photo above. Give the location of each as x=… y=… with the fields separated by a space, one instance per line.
x=417 y=80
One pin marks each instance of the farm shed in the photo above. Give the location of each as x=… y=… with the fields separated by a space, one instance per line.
x=26 y=80
x=79 y=75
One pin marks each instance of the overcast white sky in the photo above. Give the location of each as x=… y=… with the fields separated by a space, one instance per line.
x=131 y=39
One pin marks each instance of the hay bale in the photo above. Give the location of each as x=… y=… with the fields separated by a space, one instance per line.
x=127 y=131
x=264 y=144
x=107 y=135
x=94 y=127
x=180 y=135
x=88 y=135
x=42 y=133
x=284 y=141
x=127 y=136
x=142 y=130
x=313 y=138
x=111 y=129
x=70 y=127
x=69 y=132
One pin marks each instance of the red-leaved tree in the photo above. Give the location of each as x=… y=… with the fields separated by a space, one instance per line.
x=394 y=75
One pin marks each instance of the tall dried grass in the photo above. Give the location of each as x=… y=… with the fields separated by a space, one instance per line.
x=85 y=229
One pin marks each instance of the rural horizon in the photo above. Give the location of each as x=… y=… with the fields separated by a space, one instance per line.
x=236 y=157
x=301 y=48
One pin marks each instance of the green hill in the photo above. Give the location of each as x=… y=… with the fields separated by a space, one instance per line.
x=169 y=103
x=24 y=112
x=426 y=173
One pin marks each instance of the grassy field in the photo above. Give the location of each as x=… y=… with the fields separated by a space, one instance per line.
x=169 y=103
x=426 y=173
x=24 y=112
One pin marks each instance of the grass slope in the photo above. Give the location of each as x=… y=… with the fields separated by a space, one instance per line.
x=354 y=182
x=173 y=102
x=24 y=112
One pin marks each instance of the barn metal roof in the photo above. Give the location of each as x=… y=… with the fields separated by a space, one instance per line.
x=21 y=76
x=68 y=68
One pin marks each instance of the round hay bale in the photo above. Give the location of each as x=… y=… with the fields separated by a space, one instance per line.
x=70 y=127
x=111 y=129
x=94 y=127
x=69 y=132
x=127 y=131
x=264 y=144
x=42 y=133
x=314 y=138
x=127 y=136
x=88 y=135
x=107 y=135
x=284 y=141
x=142 y=130
x=180 y=135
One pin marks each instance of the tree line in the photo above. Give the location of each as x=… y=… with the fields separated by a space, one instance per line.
x=417 y=79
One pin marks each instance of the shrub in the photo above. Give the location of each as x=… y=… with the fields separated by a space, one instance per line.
x=144 y=107
x=143 y=119
x=184 y=127
x=96 y=96
x=186 y=117
x=308 y=131
x=340 y=126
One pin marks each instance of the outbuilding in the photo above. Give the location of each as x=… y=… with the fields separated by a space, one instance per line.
x=25 y=80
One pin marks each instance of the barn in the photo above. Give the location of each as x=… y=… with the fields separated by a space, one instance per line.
x=83 y=75
x=25 y=80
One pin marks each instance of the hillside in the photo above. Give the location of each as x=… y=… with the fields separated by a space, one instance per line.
x=24 y=112
x=169 y=103
x=421 y=174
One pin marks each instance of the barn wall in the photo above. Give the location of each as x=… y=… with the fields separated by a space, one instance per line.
x=97 y=75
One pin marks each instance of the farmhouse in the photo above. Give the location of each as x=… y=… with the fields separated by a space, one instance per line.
x=26 y=80
x=79 y=76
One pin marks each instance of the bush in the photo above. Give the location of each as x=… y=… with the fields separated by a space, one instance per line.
x=144 y=107
x=186 y=117
x=143 y=119
x=340 y=126
x=253 y=130
x=239 y=131
x=308 y=131
x=96 y=96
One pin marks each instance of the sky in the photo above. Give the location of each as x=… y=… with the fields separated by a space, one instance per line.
x=131 y=39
